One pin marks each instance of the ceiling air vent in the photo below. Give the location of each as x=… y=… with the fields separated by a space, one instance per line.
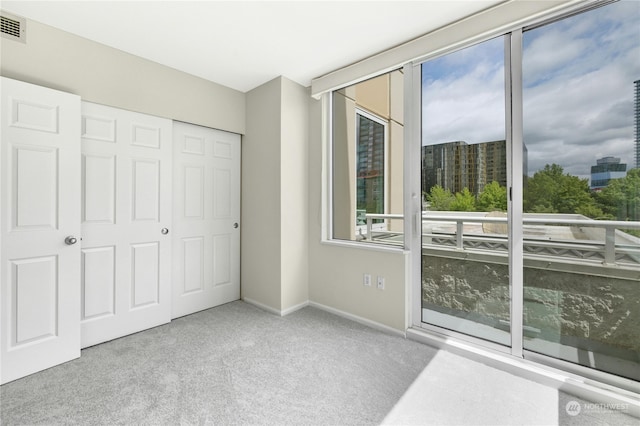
x=13 y=27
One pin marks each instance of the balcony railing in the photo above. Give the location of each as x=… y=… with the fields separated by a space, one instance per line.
x=549 y=235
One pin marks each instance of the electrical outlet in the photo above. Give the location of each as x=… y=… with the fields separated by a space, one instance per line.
x=380 y=283
x=367 y=280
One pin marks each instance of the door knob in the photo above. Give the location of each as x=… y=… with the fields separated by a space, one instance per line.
x=235 y=225
x=70 y=240
x=164 y=231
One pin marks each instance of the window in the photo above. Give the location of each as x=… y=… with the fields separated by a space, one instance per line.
x=578 y=105
x=367 y=161
x=550 y=272
x=370 y=171
x=529 y=229
x=464 y=173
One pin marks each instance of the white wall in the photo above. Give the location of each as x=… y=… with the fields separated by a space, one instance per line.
x=274 y=197
x=336 y=272
x=260 y=241
x=60 y=60
x=294 y=218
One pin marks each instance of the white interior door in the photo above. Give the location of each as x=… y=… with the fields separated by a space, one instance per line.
x=126 y=204
x=39 y=209
x=206 y=237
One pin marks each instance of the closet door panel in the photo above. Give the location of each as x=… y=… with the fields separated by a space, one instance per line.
x=206 y=268
x=126 y=205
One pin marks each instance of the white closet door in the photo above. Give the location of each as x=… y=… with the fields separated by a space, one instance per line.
x=39 y=209
x=126 y=204
x=206 y=238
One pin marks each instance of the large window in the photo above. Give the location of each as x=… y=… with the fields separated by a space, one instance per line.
x=531 y=221
x=581 y=268
x=367 y=161
x=464 y=175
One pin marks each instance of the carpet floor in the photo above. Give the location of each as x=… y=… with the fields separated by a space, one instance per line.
x=234 y=364
x=238 y=365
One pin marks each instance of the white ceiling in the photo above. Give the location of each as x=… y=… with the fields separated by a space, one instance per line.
x=242 y=44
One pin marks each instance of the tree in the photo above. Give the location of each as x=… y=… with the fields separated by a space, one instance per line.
x=550 y=190
x=621 y=197
x=493 y=197
x=464 y=201
x=439 y=198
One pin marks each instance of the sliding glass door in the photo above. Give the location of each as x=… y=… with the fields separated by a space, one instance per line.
x=530 y=180
x=581 y=224
x=465 y=275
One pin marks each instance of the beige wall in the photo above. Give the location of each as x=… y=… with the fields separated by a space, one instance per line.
x=274 y=196
x=336 y=272
x=60 y=60
x=261 y=225
x=294 y=205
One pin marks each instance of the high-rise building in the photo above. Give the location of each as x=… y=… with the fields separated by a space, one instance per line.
x=606 y=168
x=637 y=121
x=458 y=165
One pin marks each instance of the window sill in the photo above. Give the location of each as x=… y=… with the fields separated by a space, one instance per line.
x=365 y=246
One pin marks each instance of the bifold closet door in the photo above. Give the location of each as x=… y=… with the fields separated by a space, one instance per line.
x=206 y=238
x=126 y=220
x=39 y=228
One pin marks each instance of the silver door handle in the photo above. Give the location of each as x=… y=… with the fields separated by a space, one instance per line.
x=70 y=240
x=164 y=231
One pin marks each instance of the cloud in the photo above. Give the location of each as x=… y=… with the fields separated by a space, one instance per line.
x=463 y=96
x=578 y=76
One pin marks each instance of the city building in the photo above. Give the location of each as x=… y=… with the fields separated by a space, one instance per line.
x=458 y=165
x=606 y=168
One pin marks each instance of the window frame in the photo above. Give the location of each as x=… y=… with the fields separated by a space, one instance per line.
x=515 y=154
x=361 y=112
x=327 y=220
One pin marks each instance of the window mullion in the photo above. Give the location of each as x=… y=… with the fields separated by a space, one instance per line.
x=513 y=99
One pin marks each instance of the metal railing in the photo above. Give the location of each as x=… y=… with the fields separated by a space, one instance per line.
x=596 y=245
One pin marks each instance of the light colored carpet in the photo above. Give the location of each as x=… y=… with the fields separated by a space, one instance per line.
x=453 y=390
x=233 y=364
x=238 y=365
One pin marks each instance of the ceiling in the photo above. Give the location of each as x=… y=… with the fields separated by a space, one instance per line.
x=242 y=44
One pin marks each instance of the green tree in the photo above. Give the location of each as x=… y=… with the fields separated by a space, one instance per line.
x=621 y=197
x=493 y=197
x=464 y=201
x=439 y=198
x=550 y=190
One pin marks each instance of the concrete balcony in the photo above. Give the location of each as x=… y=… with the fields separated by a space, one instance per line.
x=581 y=283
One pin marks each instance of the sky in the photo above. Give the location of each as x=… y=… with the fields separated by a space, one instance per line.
x=578 y=91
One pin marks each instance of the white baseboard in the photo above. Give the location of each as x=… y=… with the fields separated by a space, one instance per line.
x=358 y=319
x=275 y=311
x=262 y=306
x=294 y=308
x=338 y=312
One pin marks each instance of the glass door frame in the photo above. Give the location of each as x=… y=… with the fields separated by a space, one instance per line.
x=513 y=134
x=413 y=210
